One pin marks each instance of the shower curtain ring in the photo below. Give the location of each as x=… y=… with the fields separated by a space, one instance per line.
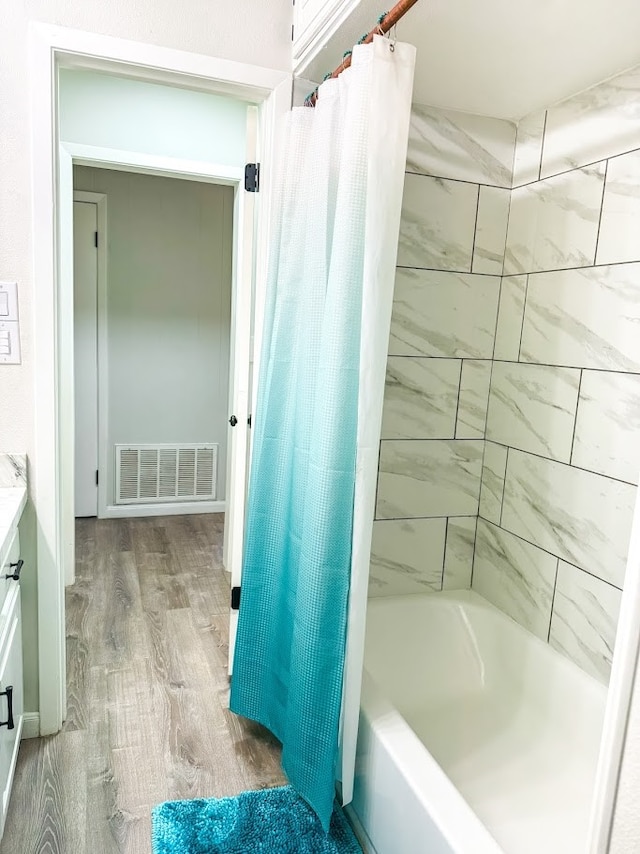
x=392 y=46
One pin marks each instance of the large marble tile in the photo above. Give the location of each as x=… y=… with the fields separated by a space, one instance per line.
x=510 y=314
x=533 y=408
x=429 y=478
x=449 y=144
x=491 y=230
x=583 y=518
x=608 y=425
x=601 y=122
x=584 y=620
x=620 y=224
x=553 y=224
x=421 y=398
x=473 y=399
x=515 y=576
x=407 y=556
x=494 y=464
x=458 y=554
x=443 y=314
x=584 y=318
x=13 y=470
x=437 y=224
x=528 y=154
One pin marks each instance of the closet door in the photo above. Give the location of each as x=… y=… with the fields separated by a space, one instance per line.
x=85 y=343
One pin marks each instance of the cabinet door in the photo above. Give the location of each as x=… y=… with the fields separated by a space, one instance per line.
x=10 y=675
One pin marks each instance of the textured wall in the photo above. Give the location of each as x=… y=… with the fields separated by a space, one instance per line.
x=452 y=238
x=563 y=453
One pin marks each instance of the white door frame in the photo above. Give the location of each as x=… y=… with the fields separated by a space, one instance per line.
x=99 y=200
x=50 y=48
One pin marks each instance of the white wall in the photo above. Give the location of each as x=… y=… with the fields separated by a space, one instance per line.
x=133 y=115
x=243 y=30
x=168 y=310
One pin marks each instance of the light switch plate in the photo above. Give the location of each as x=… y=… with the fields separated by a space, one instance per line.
x=13 y=356
x=9 y=293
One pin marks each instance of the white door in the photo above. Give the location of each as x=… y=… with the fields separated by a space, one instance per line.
x=240 y=380
x=85 y=307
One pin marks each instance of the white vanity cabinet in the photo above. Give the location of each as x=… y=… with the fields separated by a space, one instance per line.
x=314 y=21
x=11 y=685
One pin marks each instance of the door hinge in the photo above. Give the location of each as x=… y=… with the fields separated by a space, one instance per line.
x=96 y=239
x=97 y=476
x=252 y=177
x=249 y=421
x=292 y=31
x=235 y=598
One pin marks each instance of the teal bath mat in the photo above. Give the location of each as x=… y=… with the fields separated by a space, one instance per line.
x=271 y=821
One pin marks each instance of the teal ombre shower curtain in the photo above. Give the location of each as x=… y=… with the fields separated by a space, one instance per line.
x=299 y=646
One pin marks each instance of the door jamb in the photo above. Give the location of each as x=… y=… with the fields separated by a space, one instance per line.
x=51 y=47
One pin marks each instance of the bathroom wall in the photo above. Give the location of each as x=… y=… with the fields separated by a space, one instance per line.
x=562 y=454
x=452 y=238
x=168 y=311
x=106 y=111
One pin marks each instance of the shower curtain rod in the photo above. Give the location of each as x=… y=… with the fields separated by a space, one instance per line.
x=385 y=23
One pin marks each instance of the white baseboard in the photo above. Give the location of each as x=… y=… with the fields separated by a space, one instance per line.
x=31 y=725
x=178 y=508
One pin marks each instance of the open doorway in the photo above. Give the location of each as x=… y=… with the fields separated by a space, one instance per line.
x=148 y=614
x=152 y=401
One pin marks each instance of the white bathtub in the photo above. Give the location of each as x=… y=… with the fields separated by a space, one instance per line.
x=475 y=737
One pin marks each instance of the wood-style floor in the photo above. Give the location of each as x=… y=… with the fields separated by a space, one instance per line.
x=147 y=642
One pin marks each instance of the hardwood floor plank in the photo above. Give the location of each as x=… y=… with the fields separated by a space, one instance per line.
x=148 y=718
x=49 y=814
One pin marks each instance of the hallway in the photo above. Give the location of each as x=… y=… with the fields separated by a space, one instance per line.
x=147 y=643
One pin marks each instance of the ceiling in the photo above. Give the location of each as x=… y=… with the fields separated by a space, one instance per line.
x=503 y=58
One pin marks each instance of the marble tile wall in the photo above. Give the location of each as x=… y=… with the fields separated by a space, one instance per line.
x=562 y=456
x=450 y=259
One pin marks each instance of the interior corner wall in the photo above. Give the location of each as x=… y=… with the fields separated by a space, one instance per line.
x=168 y=310
x=452 y=238
x=562 y=455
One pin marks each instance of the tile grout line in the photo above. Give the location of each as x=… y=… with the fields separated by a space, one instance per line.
x=455 y=422
x=495 y=334
x=544 y=133
x=475 y=231
x=575 y=421
x=528 y=453
x=375 y=509
x=504 y=485
x=473 y=553
x=526 y=183
x=515 y=362
x=524 y=311
x=551 y=554
x=458 y=272
x=444 y=551
x=553 y=599
x=604 y=190
x=456 y=180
